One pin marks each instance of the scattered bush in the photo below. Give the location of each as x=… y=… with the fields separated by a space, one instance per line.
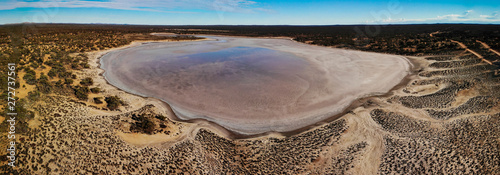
x=161 y=117
x=95 y=90
x=59 y=84
x=68 y=81
x=33 y=95
x=143 y=124
x=81 y=92
x=97 y=100
x=44 y=86
x=85 y=65
x=30 y=76
x=74 y=66
x=58 y=70
x=22 y=118
x=34 y=65
x=113 y=102
x=87 y=81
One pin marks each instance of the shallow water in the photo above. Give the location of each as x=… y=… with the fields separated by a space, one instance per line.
x=251 y=79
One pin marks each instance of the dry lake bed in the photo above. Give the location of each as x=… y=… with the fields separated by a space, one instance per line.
x=253 y=85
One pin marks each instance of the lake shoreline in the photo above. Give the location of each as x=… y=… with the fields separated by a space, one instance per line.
x=238 y=134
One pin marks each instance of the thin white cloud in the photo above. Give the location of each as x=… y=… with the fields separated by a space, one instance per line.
x=243 y=6
x=468 y=16
x=492 y=16
x=455 y=17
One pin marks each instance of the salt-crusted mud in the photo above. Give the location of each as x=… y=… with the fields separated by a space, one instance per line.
x=262 y=85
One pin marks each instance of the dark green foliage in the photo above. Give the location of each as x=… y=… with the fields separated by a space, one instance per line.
x=4 y=95
x=59 y=84
x=143 y=124
x=44 y=85
x=97 y=100
x=22 y=118
x=85 y=65
x=95 y=90
x=87 y=81
x=34 y=65
x=33 y=95
x=30 y=76
x=57 y=70
x=161 y=117
x=74 y=66
x=68 y=81
x=81 y=92
x=113 y=102
x=52 y=73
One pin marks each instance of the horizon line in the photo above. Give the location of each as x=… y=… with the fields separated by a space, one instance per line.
x=354 y=24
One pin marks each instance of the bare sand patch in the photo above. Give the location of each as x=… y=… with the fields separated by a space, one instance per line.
x=22 y=91
x=282 y=100
x=140 y=140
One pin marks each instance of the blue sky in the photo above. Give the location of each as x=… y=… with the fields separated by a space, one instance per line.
x=250 y=12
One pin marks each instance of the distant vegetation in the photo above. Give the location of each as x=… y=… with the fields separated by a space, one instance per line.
x=397 y=39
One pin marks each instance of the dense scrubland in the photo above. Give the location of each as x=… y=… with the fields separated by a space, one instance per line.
x=46 y=56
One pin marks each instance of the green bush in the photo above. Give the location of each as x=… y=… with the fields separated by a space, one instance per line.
x=143 y=124
x=33 y=95
x=87 y=81
x=30 y=76
x=97 y=100
x=68 y=81
x=52 y=73
x=43 y=85
x=59 y=84
x=95 y=90
x=22 y=118
x=34 y=65
x=161 y=117
x=74 y=66
x=81 y=92
x=113 y=102
x=85 y=65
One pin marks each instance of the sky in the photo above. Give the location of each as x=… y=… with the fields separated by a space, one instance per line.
x=250 y=12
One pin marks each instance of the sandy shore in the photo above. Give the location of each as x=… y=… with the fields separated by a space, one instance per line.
x=134 y=102
x=338 y=78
